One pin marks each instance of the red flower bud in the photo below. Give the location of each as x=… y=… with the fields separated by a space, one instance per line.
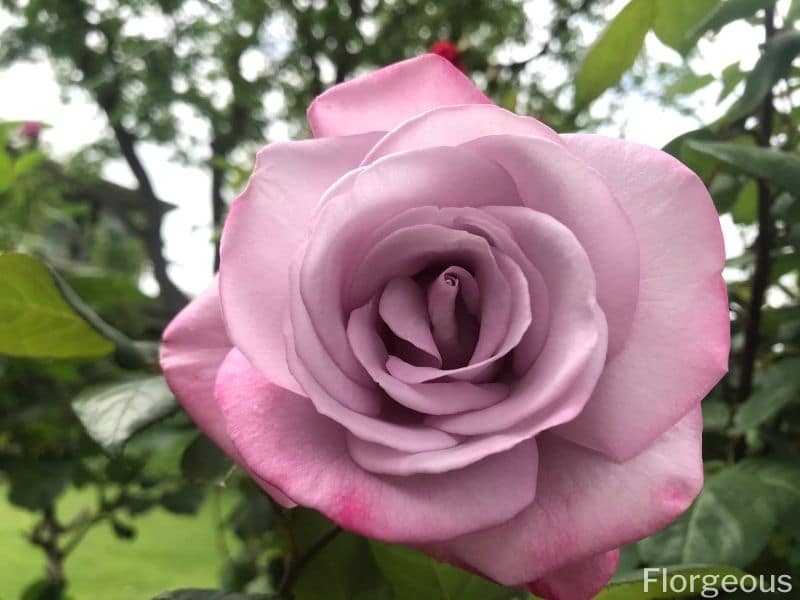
x=448 y=50
x=30 y=130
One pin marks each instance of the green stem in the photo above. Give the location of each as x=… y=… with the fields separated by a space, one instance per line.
x=297 y=565
x=129 y=354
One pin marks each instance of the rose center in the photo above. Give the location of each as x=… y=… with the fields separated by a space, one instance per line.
x=452 y=310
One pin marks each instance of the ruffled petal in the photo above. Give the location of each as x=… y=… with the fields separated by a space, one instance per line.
x=403 y=308
x=680 y=332
x=193 y=347
x=566 y=369
x=505 y=313
x=580 y=580
x=432 y=398
x=552 y=180
x=378 y=194
x=334 y=402
x=587 y=504
x=266 y=226
x=457 y=125
x=382 y=99
x=288 y=444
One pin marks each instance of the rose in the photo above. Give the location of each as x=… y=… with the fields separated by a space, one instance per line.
x=444 y=325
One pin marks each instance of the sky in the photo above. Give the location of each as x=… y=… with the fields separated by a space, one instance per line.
x=30 y=92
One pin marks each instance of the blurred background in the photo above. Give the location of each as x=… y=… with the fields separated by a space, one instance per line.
x=128 y=126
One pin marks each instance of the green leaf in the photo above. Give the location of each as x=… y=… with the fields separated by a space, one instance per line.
x=186 y=500
x=688 y=84
x=252 y=517
x=794 y=12
x=112 y=413
x=732 y=75
x=6 y=170
x=745 y=208
x=35 y=320
x=725 y=189
x=122 y=530
x=614 y=52
x=158 y=450
x=631 y=586
x=774 y=64
x=343 y=570
x=780 y=168
x=777 y=387
x=702 y=164
x=733 y=518
x=415 y=576
x=727 y=12
x=27 y=162
x=716 y=415
x=201 y=594
x=36 y=484
x=204 y=461
x=675 y=17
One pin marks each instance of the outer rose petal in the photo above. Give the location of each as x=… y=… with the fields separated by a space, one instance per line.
x=287 y=443
x=678 y=345
x=587 y=504
x=384 y=98
x=193 y=347
x=266 y=226
x=456 y=125
x=579 y=580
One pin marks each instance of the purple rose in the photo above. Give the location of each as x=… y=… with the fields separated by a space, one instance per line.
x=444 y=325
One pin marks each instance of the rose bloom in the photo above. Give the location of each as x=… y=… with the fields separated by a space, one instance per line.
x=442 y=324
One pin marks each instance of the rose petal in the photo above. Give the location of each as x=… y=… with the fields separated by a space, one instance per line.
x=334 y=402
x=480 y=222
x=505 y=313
x=680 y=333
x=402 y=308
x=587 y=504
x=265 y=228
x=457 y=125
x=378 y=458
x=439 y=398
x=378 y=194
x=568 y=365
x=552 y=180
x=382 y=99
x=468 y=288
x=193 y=347
x=287 y=443
x=506 y=330
x=308 y=359
x=455 y=331
x=579 y=580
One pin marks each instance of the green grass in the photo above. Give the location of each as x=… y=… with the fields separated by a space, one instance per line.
x=169 y=551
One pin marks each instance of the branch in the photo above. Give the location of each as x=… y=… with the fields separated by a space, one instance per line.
x=174 y=298
x=293 y=572
x=45 y=535
x=766 y=234
x=558 y=27
x=107 y=95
